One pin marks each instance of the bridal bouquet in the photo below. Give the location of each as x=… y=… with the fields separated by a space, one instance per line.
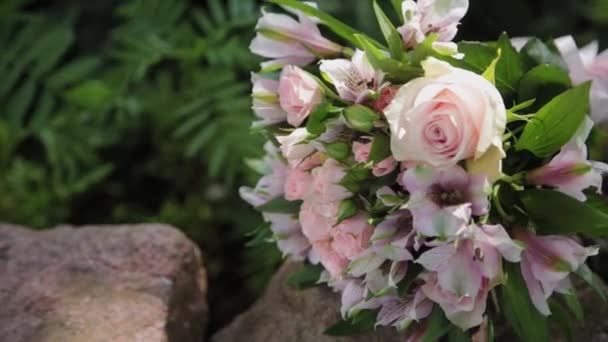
x=438 y=186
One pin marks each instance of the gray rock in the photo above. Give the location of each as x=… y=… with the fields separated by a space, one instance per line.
x=286 y=314
x=100 y=283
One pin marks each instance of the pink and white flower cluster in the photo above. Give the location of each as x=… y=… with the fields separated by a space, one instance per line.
x=410 y=194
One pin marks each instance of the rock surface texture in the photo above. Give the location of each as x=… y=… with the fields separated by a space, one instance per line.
x=100 y=283
x=286 y=314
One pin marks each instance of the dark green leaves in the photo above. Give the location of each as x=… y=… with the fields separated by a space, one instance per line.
x=593 y=280
x=556 y=122
x=393 y=38
x=348 y=209
x=438 y=326
x=539 y=53
x=396 y=71
x=338 y=150
x=543 y=82
x=360 y=118
x=528 y=323
x=344 y=31
x=510 y=67
x=316 y=121
x=381 y=148
x=280 y=205
x=305 y=277
x=361 y=323
x=556 y=213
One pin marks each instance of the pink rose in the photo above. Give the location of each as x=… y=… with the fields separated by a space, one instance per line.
x=317 y=220
x=299 y=93
x=297 y=184
x=350 y=237
x=447 y=116
x=333 y=262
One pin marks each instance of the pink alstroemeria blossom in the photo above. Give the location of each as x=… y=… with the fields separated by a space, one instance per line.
x=354 y=79
x=290 y=41
x=570 y=171
x=426 y=17
x=546 y=263
x=442 y=201
x=401 y=312
x=299 y=93
x=288 y=233
x=361 y=150
x=464 y=271
x=586 y=65
x=266 y=101
x=294 y=145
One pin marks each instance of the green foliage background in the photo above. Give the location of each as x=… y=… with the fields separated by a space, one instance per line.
x=138 y=111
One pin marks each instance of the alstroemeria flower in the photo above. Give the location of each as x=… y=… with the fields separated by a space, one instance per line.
x=391 y=241
x=294 y=145
x=266 y=101
x=586 y=65
x=442 y=201
x=290 y=42
x=570 y=171
x=354 y=79
x=401 y=312
x=270 y=185
x=288 y=234
x=299 y=93
x=464 y=271
x=426 y=17
x=546 y=263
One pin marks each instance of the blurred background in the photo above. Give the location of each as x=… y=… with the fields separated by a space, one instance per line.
x=139 y=111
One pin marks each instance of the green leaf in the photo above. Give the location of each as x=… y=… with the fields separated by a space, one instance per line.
x=17 y=106
x=75 y=71
x=381 y=148
x=490 y=73
x=556 y=213
x=510 y=67
x=316 y=121
x=392 y=37
x=92 y=94
x=338 y=150
x=528 y=323
x=437 y=326
x=344 y=31
x=396 y=71
x=360 y=118
x=457 y=335
x=397 y=7
x=477 y=56
x=280 y=205
x=348 y=209
x=354 y=177
x=571 y=299
x=556 y=122
x=543 y=82
x=361 y=323
x=305 y=277
x=560 y=317
x=593 y=280
x=540 y=53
